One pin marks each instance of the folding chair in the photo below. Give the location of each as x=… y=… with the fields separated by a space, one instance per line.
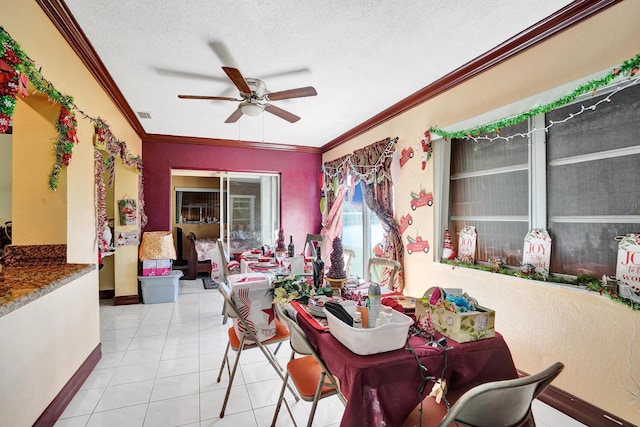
x=246 y=341
x=348 y=255
x=498 y=403
x=313 y=241
x=376 y=270
x=309 y=374
x=227 y=271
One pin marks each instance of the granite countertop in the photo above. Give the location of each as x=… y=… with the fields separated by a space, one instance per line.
x=30 y=272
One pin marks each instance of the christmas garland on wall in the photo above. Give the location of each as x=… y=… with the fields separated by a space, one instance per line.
x=17 y=70
x=627 y=68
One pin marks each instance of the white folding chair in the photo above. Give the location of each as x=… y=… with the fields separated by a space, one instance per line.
x=382 y=271
x=248 y=340
x=313 y=241
x=309 y=374
x=498 y=403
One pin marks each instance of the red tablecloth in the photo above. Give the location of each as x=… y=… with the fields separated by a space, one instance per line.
x=382 y=389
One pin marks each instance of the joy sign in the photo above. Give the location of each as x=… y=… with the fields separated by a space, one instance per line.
x=537 y=250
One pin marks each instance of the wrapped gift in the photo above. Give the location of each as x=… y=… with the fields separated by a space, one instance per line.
x=251 y=296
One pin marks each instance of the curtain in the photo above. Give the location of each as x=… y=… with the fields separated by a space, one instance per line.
x=338 y=169
x=333 y=225
x=377 y=191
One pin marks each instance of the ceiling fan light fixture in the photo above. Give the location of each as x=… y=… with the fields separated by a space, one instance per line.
x=251 y=109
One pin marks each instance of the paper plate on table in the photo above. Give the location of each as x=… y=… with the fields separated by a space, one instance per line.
x=264 y=265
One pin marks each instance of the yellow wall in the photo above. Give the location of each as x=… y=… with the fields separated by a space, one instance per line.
x=541 y=323
x=5 y=177
x=68 y=215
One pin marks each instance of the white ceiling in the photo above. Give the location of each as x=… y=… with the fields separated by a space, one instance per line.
x=361 y=56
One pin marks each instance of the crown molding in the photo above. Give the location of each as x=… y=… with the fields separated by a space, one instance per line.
x=63 y=20
x=563 y=19
x=572 y=14
x=174 y=139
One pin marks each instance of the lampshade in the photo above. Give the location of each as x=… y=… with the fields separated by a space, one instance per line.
x=251 y=109
x=157 y=245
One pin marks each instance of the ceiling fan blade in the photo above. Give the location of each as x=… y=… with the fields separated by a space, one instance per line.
x=283 y=114
x=223 y=53
x=237 y=79
x=235 y=116
x=213 y=98
x=302 y=70
x=292 y=93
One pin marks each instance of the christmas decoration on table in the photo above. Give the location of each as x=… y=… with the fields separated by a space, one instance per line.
x=427 y=148
x=405 y=222
x=336 y=271
x=285 y=289
x=280 y=247
x=628 y=68
x=448 y=252
x=417 y=245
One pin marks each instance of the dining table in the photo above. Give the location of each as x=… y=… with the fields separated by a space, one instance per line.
x=382 y=389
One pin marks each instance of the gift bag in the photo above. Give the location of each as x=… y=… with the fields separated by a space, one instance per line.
x=217 y=271
x=250 y=294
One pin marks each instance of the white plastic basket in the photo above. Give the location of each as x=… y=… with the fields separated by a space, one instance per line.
x=387 y=337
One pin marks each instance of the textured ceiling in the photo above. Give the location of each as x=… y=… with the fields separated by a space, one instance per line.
x=361 y=56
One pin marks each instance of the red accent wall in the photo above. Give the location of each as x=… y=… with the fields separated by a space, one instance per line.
x=300 y=212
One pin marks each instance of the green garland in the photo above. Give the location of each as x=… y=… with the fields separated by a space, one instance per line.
x=592 y=283
x=629 y=67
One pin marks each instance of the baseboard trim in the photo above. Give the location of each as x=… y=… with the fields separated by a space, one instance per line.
x=60 y=402
x=107 y=294
x=578 y=409
x=126 y=300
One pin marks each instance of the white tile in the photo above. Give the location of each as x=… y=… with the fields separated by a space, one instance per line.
x=211 y=402
x=180 y=350
x=178 y=339
x=83 y=403
x=173 y=412
x=110 y=360
x=264 y=415
x=242 y=419
x=80 y=421
x=134 y=373
x=99 y=378
x=110 y=346
x=257 y=372
x=143 y=355
x=264 y=393
x=130 y=416
x=184 y=365
x=208 y=381
x=125 y=395
x=147 y=342
x=152 y=330
x=176 y=386
x=117 y=334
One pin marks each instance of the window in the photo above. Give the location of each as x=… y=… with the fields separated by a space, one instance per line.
x=361 y=229
x=579 y=180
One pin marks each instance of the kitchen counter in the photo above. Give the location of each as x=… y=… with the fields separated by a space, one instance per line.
x=30 y=272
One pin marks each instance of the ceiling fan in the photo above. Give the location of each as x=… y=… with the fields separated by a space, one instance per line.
x=254 y=98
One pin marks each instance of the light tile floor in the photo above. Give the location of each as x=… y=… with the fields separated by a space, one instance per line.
x=160 y=363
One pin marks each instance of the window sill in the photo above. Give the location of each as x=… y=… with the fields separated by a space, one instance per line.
x=586 y=283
